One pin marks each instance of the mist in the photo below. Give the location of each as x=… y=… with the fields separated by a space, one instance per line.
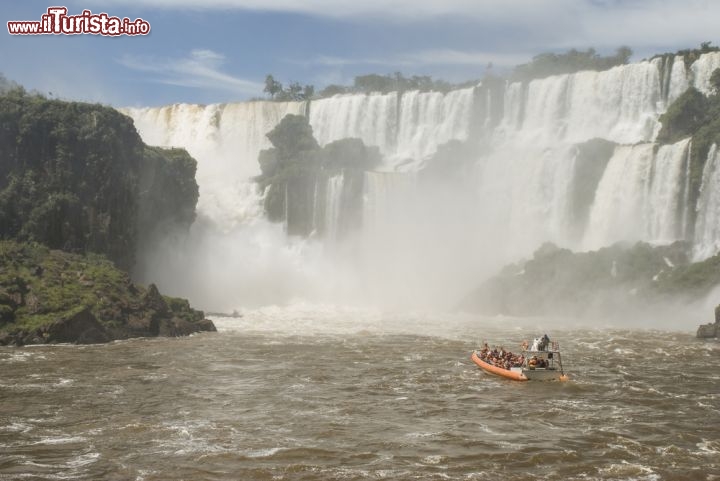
x=471 y=180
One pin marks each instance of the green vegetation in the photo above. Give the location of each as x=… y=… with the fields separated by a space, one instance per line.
x=7 y=85
x=41 y=288
x=294 y=91
x=294 y=171
x=697 y=278
x=541 y=66
x=77 y=177
x=689 y=55
x=168 y=191
x=371 y=83
x=547 y=64
x=558 y=280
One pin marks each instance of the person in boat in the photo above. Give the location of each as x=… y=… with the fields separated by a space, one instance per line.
x=533 y=362
x=540 y=343
x=503 y=359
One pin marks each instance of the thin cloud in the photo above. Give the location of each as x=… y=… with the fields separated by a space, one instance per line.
x=445 y=57
x=558 y=23
x=200 y=69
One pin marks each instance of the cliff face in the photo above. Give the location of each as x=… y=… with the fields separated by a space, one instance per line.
x=77 y=177
x=310 y=187
x=49 y=296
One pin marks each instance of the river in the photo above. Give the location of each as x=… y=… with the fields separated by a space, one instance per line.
x=322 y=393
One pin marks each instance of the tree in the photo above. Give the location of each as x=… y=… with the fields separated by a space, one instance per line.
x=272 y=86
x=308 y=92
x=333 y=89
x=294 y=90
x=623 y=54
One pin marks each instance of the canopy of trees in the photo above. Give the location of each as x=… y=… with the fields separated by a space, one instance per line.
x=546 y=64
x=294 y=91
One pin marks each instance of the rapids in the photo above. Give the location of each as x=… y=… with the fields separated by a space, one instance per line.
x=318 y=392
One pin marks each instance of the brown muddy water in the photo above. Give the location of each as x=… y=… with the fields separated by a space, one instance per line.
x=312 y=393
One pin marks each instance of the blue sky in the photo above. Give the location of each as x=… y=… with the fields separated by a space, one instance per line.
x=221 y=50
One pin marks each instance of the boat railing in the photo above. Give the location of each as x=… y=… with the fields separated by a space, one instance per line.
x=553 y=356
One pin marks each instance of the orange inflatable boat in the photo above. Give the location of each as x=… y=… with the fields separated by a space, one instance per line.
x=514 y=373
x=537 y=365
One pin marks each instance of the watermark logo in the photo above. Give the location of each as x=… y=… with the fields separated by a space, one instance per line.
x=57 y=22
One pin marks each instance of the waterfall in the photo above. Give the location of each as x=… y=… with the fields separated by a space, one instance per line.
x=702 y=69
x=226 y=140
x=679 y=81
x=406 y=128
x=385 y=195
x=639 y=196
x=525 y=182
x=707 y=224
x=523 y=194
x=371 y=118
x=664 y=202
x=428 y=119
x=621 y=104
x=333 y=206
x=620 y=197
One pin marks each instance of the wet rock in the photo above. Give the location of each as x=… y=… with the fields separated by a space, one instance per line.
x=708 y=331
x=143 y=326
x=206 y=325
x=176 y=327
x=81 y=328
x=153 y=300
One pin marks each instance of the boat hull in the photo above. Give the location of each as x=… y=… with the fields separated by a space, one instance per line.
x=517 y=374
x=498 y=371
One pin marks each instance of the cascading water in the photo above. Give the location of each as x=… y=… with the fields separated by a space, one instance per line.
x=226 y=139
x=702 y=69
x=523 y=189
x=333 y=206
x=430 y=119
x=407 y=128
x=639 y=195
x=707 y=226
x=371 y=118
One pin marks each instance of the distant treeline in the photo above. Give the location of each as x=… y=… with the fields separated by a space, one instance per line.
x=541 y=66
x=689 y=55
x=547 y=64
x=395 y=82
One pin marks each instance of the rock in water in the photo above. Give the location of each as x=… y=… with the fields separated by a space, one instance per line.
x=707 y=331
x=81 y=328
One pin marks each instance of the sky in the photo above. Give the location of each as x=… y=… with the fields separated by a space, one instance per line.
x=221 y=50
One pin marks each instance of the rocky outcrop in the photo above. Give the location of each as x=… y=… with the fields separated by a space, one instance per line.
x=80 y=328
x=54 y=297
x=708 y=331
